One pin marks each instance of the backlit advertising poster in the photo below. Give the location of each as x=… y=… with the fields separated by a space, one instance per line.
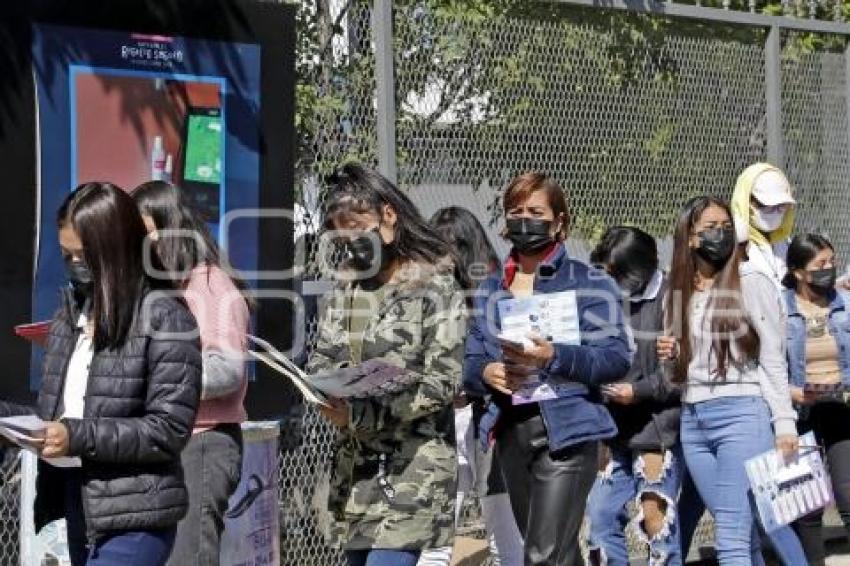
x=129 y=108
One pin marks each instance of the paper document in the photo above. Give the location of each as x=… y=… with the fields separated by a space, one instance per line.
x=23 y=430
x=828 y=391
x=372 y=378
x=27 y=432
x=553 y=316
x=286 y=367
x=786 y=491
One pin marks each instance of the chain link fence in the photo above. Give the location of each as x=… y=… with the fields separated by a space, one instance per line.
x=816 y=129
x=10 y=498
x=633 y=113
x=631 y=129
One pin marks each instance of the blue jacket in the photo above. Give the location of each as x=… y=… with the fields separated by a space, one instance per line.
x=577 y=415
x=838 y=325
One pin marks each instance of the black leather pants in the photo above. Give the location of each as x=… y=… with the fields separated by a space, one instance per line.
x=548 y=492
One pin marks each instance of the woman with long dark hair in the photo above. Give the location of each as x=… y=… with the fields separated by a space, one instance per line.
x=729 y=356
x=476 y=258
x=393 y=482
x=477 y=470
x=548 y=446
x=212 y=461
x=121 y=383
x=819 y=356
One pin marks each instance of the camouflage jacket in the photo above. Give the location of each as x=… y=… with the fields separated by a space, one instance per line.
x=393 y=479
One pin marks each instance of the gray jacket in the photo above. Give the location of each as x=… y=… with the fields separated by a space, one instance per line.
x=652 y=422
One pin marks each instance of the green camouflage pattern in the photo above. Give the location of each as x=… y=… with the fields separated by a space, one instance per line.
x=393 y=481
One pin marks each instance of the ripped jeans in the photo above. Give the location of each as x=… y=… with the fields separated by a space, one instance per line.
x=625 y=479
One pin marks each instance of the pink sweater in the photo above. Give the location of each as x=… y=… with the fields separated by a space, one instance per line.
x=223 y=320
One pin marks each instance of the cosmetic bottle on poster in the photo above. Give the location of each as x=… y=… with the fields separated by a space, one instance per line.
x=169 y=169
x=157 y=160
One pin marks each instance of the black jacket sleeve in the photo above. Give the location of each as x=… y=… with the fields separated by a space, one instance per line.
x=655 y=387
x=15 y=410
x=650 y=383
x=173 y=357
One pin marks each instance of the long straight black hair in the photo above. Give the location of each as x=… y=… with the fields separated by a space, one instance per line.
x=726 y=300
x=179 y=254
x=112 y=233
x=459 y=227
x=356 y=188
x=625 y=250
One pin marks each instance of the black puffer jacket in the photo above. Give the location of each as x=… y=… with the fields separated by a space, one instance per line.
x=140 y=405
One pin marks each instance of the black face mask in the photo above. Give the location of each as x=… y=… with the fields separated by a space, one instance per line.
x=716 y=245
x=80 y=277
x=634 y=282
x=529 y=235
x=361 y=251
x=822 y=281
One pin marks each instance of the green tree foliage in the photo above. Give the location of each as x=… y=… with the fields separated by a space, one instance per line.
x=469 y=95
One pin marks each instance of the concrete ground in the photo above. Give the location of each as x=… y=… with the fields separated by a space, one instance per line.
x=470 y=551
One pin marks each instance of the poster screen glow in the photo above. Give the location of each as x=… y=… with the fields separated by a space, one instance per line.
x=88 y=79
x=203 y=149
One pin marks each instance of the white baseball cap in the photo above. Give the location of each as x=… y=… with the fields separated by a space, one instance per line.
x=772 y=188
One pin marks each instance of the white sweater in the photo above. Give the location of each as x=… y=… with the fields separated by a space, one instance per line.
x=768 y=375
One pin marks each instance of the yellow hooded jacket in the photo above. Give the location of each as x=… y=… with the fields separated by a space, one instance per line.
x=741 y=209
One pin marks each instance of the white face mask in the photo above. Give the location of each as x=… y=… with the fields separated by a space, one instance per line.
x=767 y=221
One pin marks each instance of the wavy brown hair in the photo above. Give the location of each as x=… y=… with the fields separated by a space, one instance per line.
x=728 y=320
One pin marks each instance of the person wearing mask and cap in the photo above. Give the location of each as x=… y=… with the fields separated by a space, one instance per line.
x=763 y=210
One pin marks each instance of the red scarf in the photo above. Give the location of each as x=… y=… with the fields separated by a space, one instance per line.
x=511 y=264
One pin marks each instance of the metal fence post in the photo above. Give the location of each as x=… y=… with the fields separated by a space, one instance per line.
x=382 y=34
x=847 y=85
x=773 y=94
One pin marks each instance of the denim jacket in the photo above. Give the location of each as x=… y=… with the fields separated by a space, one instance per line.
x=578 y=414
x=838 y=325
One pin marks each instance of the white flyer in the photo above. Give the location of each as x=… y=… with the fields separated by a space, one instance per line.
x=786 y=491
x=23 y=428
x=553 y=316
x=27 y=431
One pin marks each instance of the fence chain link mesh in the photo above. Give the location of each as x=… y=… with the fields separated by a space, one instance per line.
x=10 y=499
x=816 y=129
x=337 y=79
x=633 y=114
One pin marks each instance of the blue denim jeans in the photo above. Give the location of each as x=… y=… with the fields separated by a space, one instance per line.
x=120 y=548
x=133 y=548
x=624 y=480
x=382 y=557
x=690 y=510
x=718 y=436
